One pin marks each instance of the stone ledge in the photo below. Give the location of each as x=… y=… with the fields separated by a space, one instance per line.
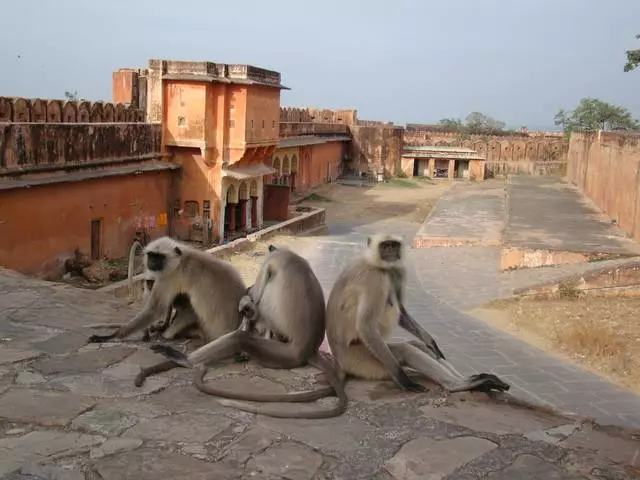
x=312 y=219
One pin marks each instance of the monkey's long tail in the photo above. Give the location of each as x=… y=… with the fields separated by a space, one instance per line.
x=295 y=397
x=336 y=386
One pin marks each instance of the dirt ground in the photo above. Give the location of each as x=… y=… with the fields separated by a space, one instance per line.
x=600 y=333
x=406 y=199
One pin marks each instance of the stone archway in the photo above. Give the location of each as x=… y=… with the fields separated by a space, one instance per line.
x=286 y=170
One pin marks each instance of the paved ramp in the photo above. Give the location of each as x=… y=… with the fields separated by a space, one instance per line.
x=467 y=214
x=545 y=213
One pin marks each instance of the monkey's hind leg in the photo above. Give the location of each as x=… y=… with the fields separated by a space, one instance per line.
x=413 y=356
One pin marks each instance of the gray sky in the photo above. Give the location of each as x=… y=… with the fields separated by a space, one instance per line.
x=403 y=60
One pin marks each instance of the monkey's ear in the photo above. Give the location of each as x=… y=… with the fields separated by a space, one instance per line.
x=368 y=241
x=177 y=250
x=272 y=248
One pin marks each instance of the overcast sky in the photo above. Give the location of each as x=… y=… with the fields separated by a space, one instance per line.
x=403 y=60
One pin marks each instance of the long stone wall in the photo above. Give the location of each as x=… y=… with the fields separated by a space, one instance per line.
x=27 y=110
x=38 y=135
x=535 y=154
x=39 y=147
x=606 y=168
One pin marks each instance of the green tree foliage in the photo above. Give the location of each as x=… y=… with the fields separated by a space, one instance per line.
x=475 y=123
x=633 y=59
x=69 y=95
x=594 y=114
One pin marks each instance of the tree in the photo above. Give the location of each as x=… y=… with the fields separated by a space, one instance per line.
x=475 y=123
x=480 y=123
x=633 y=59
x=594 y=114
x=69 y=95
x=451 y=124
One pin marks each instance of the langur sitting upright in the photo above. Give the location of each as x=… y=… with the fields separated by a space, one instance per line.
x=365 y=306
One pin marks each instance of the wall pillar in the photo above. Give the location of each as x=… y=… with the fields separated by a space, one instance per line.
x=243 y=215
x=452 y=167
x=232 y=216
x=292 y=181
x=254 y=212
x=432 y=168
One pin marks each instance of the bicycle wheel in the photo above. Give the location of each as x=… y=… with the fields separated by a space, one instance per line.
x=136 y=263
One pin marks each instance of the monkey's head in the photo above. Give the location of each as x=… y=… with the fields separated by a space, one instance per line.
x=163 y=255
x=384 y=251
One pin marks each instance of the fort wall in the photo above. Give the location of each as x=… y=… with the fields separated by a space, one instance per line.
x=605 y=166
x=521 y=153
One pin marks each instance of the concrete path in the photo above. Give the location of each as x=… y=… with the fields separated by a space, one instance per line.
x=69 y=411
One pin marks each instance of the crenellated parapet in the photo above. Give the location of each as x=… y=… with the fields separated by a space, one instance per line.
x=38 y=110
x=318 y=115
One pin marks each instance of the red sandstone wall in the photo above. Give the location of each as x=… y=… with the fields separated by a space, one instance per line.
x=18 y=109
x=376 y=147
x=606 y=167
x=42 y=226
x=43 y=147
x=522 y=154
x=319 y=164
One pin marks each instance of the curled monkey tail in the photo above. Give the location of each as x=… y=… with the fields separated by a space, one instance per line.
x=296 y=397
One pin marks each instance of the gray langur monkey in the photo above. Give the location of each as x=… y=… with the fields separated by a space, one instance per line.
x=211 y=287
x=288 y=299
x=365 y=306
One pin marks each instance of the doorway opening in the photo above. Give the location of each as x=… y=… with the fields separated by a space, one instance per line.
x=461 y=169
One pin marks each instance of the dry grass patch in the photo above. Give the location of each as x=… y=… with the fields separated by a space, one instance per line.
x=600 y=333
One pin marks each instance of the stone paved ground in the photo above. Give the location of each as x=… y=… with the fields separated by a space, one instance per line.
x=70 y=411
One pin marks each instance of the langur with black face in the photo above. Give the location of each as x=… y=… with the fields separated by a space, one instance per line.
x=202 y=288
x=365 y=306
x=287 y=301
